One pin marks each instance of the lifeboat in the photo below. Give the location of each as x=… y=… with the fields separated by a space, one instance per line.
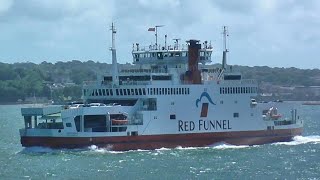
x=275 y=116
x=273 y=113
x=119 y=122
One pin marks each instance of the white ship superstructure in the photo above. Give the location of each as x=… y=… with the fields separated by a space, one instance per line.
x=165 y=100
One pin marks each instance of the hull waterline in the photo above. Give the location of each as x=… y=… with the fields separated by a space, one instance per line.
x=150 y=142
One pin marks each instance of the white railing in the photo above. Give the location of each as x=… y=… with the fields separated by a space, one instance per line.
x=179 y=47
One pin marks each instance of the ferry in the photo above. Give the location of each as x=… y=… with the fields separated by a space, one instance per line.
x=166 y=100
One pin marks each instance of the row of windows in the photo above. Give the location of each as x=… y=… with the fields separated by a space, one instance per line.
x=125 y=92
x=160 y=55
x=98 y=92
x=136 y=91
x=168 y=91
x=238 y=90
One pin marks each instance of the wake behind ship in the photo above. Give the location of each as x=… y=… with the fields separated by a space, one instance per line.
x=166 y=100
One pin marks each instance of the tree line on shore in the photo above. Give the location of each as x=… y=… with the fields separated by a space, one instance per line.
x=21 y=80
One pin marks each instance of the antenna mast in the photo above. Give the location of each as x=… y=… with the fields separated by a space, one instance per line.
x=225 y=50
x=157 y=35
x=115 y=76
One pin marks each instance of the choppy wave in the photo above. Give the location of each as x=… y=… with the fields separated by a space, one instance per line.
x=229 y=146
x=95 y=148
x=163 y=149
x=37 y=149
x=187 y=148
x=297 y=140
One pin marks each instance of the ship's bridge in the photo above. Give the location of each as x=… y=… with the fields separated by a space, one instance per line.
x=172 y=54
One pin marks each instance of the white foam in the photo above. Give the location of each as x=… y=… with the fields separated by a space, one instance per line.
x=229 y=146
x=297 y=140
x=141 y=150
x=163 y=149
x=95 y=148
x=186 y=148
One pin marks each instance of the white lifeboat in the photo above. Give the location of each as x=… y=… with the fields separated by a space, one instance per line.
x=273 y=113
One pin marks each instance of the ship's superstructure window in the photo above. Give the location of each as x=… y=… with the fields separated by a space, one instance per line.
x=172 y=116
x=162 y=77
x=137 y=91
x=232 y=77
x=235 y=115
x=68 y=125
x=135 y=78
x=77 y=123
x=238 y=90
x=168 y=91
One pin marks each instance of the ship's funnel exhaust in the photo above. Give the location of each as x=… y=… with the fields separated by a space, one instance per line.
x=115 y=73
x=193 y=73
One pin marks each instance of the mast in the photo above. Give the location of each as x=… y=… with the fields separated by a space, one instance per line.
x=115 y=73
x=156 y=28
x=225 y=50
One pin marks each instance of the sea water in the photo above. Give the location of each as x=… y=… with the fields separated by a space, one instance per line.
x=298 y=159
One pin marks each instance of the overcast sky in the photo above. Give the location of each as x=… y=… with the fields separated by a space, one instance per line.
x=276 y=33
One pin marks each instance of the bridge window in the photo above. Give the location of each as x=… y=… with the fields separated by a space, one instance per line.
x=235 y=115
x=161 y=77
x=68 y=125
x=172 y=116
x=160 y=55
